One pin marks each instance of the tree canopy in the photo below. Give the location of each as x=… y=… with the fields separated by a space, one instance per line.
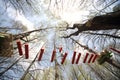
x=85 y=28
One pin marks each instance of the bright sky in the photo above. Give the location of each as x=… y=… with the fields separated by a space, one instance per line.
x=69 y=11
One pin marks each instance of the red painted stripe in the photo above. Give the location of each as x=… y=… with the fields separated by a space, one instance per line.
x=64 y=57
x=85 y=58
x=41 y=53
x=95 y=57
x=19 y=47
x=77 y=61
x=53 y=55
x=90 y=58
x=73 y=58
x=26 y=51
x=115 y=50
x=60 y=49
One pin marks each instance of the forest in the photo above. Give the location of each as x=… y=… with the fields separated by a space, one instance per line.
x=59 y=40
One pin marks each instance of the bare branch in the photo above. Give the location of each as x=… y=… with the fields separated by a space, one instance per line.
x=22 y=35
x=109 y=35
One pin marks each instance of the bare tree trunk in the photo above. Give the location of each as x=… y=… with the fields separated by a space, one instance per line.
x=104 y=22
